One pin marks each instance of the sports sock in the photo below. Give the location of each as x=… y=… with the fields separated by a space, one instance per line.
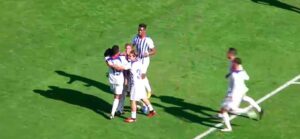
x=114 y=107
x=133 y=114
x=150 y=107
x=226 y=120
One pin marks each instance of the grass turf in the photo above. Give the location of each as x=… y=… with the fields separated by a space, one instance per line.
x=44 y=43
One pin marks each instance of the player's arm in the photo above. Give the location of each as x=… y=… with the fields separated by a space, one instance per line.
x=111 y=65
x=245 y=75
x=152 y=52
x=152 y=49
x=125 y=66
x=108 y=62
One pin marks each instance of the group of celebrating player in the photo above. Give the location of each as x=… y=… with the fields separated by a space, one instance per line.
x=127 y=73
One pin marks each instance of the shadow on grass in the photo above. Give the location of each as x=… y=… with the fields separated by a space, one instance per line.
x=88 y=82
x=78 y=98
x=278 y=4
x=180 y=111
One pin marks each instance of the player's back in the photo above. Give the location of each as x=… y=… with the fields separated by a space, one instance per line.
x=136 y=72
x=116 y=76
x=237 y=80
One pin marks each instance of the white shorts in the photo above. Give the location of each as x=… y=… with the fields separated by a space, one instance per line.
x=145 y=64
x=233 y=102
x=138 y=92
x=116 y=89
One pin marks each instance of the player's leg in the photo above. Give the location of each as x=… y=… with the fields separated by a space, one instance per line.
x=239 y=111
x=133 y=112
x=227 y=99
x=147 y=86
x=146 y=63
x=226 y=119
x=235 y=103
x=133 y=98
x=120 y=109
x=151 y=110
x=118 y=91
x=133 y=109
x=254 y=104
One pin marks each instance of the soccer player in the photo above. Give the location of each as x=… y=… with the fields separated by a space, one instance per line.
x=231 y=55
x=238 y=92
x=116 y=77
x=128 y=48
x=126 y=87
x=145 y=48
x=138 y=91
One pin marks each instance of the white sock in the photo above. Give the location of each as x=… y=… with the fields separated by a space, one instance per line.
x=252 y=103
x=226 y=120
x=133 y=114
x=150 y=107
x=147 y=85
x=114 y=107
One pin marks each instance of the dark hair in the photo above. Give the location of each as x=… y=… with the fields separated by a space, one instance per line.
x=115 y=49
x=237 y=60
x=142 y=25
x=232 y=51
x=108 y=52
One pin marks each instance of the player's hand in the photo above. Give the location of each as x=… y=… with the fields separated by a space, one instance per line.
x=118 y=68
x=143 y=75
x=145 y=54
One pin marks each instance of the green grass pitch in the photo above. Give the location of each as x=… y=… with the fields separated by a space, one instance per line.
x=53 y=82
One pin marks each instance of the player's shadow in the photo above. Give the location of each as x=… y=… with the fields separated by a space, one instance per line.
x=88 y=82
x=78 y=98
x=181 y=111
x=278 y=4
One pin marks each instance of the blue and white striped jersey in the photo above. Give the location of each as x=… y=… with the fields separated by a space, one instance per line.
x=142 y=45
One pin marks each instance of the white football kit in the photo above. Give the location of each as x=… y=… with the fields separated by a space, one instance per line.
x=138 y=90
x=237 y=88
x=116 y=78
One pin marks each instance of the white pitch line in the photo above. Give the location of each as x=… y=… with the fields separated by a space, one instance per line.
x=212 y=129
x=296 y=83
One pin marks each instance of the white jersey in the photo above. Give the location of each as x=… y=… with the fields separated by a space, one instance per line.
x=115 y=76
x=137 y=91
x=136 y=72
x=143 y=45
x=237 y=82
x=229 y=90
